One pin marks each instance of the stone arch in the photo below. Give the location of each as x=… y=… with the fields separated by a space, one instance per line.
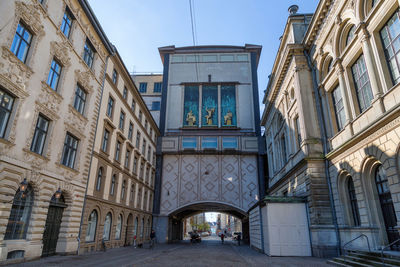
x=363 y=8
x=324 y=66
x=369 y=165
x=348 y=20
x=344 y=175
x=98 y=233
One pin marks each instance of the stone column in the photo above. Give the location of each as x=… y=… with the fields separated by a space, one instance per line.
x=370 y=64
x=342 y=85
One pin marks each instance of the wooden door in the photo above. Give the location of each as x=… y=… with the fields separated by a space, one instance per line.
x=52 y=227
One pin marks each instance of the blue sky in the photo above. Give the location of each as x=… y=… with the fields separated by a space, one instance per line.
x=138 y=27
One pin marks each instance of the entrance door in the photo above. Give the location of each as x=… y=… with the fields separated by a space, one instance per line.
x=385 y=199
x=52 y=228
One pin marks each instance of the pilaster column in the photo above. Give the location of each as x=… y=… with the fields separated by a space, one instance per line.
x=342 y=85
x=369 y=62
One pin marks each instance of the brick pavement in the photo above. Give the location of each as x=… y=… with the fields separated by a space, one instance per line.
x=207 y=253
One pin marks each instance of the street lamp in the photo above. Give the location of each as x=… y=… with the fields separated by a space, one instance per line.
x=22 y=188
x=58 y=193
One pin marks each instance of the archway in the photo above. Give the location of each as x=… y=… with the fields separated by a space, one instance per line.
x=176 y=219
x=129 y=230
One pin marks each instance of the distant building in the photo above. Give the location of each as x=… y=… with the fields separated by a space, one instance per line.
x=149 y=86
x=120 y=191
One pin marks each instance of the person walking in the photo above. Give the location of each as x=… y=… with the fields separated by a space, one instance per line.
x=222 y=238
x=152 y=238
x=239 y=237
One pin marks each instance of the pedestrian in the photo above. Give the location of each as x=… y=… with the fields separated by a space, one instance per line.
x=239 y=236
x=222 y=238
x=152 y=238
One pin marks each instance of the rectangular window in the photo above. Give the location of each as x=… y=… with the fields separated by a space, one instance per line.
x=210 y=105
x=125 y=93
x=362 y=84
x=146 y=124
x=140 y=115
x=130 y=131
x=209 y=142
x=114 y=76
x=142 y=87
x=104 y=144
x=155 y=105
x=88 y=54
x=22 y=42
x=283 y=148
x=133 y=106
x=189 y=142
x=67 y=22
x=117 y=150
x=144 y=147
x=110 y=106
x=191 y=106
x=6 y=106
x=390 y=37
x=228 y=105
x=54 y=75
x=121 y=120
x=298 y=134
x=135 y=162
x=39 y=138
x=148 y=153
x=69 y=151
x=127 y=158
x=157 y=87
x=137 y=139
x=80 y=99
x=339 y=108
x=229 y=143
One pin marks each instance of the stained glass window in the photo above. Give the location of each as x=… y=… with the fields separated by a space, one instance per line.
x=191 y=106
x=228 y=105
x=210 y=105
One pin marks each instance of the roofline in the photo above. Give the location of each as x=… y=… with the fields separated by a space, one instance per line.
x=96 y=25
x=210 y=49
x=311 y=26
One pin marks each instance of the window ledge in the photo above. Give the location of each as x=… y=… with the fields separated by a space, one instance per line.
x=46 y=88
x=81 y=117
x=6 y=142
x=67 y=168
x=36 y=154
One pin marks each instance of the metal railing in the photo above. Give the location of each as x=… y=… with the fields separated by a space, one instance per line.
x=387 y=246
x=354 y=239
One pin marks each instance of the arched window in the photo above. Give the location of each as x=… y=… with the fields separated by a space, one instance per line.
x=91 y=228
x=330 y=65
x=112 y=185
x=142 y=229
x=136 y=227
x=123 y=189
x=99 y=177
x=353 y=202
x=118 y=228
x=350 y=35
x=107 y=227
x=20 y=214
x=132 y=193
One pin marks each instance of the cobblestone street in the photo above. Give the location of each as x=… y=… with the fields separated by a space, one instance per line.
x=207 y=253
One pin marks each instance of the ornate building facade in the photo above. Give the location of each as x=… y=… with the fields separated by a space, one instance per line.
x=208 y=154
x=150 y=88
x=52 y=64
x=120 y=192
x=332 y=121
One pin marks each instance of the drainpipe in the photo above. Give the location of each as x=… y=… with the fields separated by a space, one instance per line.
x=91 y=152
x=325 y=147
